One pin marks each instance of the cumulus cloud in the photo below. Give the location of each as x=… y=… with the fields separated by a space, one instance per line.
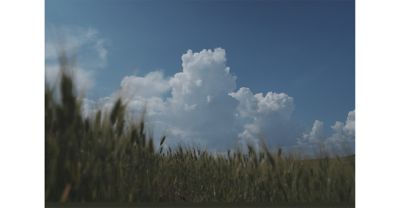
x=200 y=105
x=344 y=133
x=316 y=135
x=152 y=85
x=264 y=116
x=193 y=106
x=342 y=139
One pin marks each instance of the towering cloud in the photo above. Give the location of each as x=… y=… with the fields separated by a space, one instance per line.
x=193 y=106
x=261 y=114
x=199 y=105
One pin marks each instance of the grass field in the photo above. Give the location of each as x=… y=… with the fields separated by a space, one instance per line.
x=107 y=159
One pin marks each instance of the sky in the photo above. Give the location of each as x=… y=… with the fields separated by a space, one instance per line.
x=283 y=70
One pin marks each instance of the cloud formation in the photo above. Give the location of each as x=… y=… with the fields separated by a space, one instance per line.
x=261 y=115
x=193 y=106
x=81 y=45
x=342 y=139
x=200 y=105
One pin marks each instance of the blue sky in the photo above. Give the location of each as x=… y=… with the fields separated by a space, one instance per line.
x=302 y=48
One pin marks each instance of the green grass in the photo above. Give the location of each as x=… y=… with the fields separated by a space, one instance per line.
x=107 y=159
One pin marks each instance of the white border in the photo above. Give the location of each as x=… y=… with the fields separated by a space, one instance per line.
x=22 y=103
x=377 y=103
x=22 y=115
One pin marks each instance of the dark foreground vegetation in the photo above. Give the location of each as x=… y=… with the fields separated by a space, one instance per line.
x=106 y=159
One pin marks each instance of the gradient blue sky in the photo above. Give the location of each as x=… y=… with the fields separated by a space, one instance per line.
x=302 y=48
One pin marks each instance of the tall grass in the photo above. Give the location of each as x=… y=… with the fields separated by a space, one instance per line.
x=106 y=159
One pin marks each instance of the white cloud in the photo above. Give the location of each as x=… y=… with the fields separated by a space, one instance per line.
x=342 y=139
x=199 y=105
x=85 y=50
x=83 y=79
x=344 y=132
x=73 y=40
x=316 y=135
x=204 y=76
x=268 y=105
x=264 y=116
x=152 y=85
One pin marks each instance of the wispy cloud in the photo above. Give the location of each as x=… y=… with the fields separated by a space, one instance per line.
x=86 y=49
